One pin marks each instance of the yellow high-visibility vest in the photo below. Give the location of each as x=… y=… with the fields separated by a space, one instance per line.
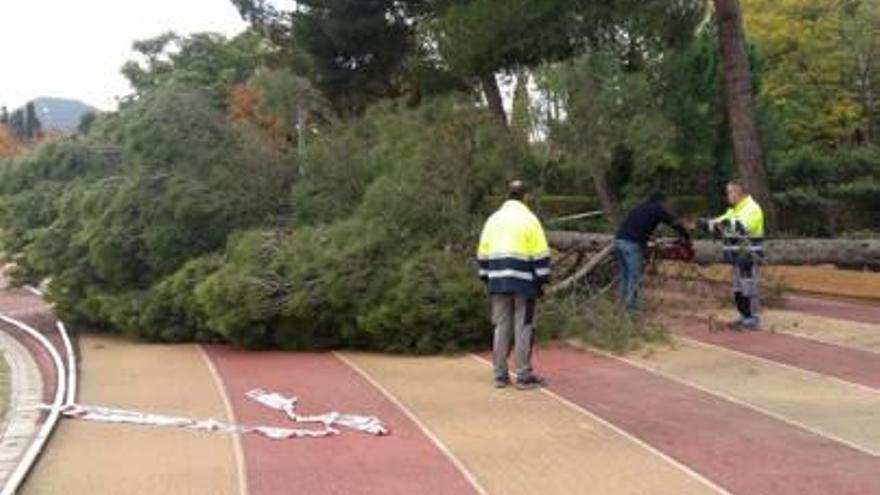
x=513 y=254
x=749 y=214
x=744 y=240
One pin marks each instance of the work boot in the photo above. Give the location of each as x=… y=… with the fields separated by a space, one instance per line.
x=530 y=382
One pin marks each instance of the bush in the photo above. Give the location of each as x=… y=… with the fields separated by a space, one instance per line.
x=197 y=232
x=337 y=170
x=809 y=168
x=171 y=311
x=356 y=277
x=437 y=306
x=599 y=321
x=335 y=273
x=109 y=221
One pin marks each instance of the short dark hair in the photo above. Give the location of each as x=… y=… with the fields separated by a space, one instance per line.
x=738 y=183
x=517 y=190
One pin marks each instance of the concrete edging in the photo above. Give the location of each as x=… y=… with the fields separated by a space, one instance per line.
x=19 y=426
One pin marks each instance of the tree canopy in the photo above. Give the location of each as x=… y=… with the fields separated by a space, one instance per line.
x=319 y=181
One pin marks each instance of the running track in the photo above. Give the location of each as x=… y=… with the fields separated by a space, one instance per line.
x=672 y=423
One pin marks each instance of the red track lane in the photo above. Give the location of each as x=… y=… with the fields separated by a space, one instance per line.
x=847 y=364
x=743 y=451
x=16 y=303
x=31 y=310
x=406 y=462
x=863 y=312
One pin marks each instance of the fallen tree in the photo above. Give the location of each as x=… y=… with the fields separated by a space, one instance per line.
x=842 y=252
x=570 y=282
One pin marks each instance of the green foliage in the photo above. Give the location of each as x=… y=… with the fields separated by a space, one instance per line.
x=205 y=60
x=815 y=169
x=337 y=170
x=827 y=193
x=171 y=221
x=600 y=322
x=810 y=63
x=344 y=278
x=109 y=221
x=483 y=36
x=242 y=299
x=614 y=114
x=438 y=305
x=556 y=206
x=356 y=47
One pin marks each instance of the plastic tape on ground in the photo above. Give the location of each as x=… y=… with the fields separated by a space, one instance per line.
x=326 y=424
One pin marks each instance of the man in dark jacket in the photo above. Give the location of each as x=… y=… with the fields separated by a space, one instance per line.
x=632 y=237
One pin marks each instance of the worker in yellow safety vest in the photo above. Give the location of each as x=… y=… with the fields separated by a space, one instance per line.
x=742 y=231
x=514 y=261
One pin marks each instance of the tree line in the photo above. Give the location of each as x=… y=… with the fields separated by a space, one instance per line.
x=318 y=180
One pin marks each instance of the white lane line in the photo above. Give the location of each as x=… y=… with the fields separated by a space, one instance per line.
x=238 y=450
x=791 y=367
x=641 y=443
x=72 y=378
x=739 y=402
x=847 y=346
x=412 y=417
x=30 y=458
x=786 y=330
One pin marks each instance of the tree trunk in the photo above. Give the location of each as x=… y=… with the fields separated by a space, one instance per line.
x=520 y=115
x=570 y=282
x=872 y=66
x=493 y=97
x=866 y=85
x=843 y=252
x=606 y=196
x=737 y=77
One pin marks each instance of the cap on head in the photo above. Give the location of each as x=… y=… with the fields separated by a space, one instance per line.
x=517 y=190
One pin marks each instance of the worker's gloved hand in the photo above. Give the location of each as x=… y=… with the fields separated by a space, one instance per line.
x=705 y=225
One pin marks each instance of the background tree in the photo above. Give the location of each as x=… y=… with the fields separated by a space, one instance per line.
x=205 y=60
x=25 y=124
x=737 y=77
x=863 y=32
x=86 y=122
x=810 y=51
x=613 y=116
x=9 y=146
x=355 y=50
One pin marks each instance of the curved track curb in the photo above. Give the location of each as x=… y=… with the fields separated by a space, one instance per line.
x=65 y=393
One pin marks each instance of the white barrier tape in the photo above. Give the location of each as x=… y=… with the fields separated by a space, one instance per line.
x=329 y=422
x=364 y=424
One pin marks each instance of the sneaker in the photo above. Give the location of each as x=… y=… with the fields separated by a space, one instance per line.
x=752 y=324
x=530 y=382
x=502 y=382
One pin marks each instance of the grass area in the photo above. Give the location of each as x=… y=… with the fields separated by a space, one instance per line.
x=600 y=322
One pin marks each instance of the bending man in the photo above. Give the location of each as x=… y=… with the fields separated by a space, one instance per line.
x=633 y=235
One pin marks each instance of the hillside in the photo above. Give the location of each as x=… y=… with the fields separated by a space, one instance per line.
x=60 y=114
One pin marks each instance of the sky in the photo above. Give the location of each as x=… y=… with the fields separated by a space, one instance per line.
x=75 y=48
